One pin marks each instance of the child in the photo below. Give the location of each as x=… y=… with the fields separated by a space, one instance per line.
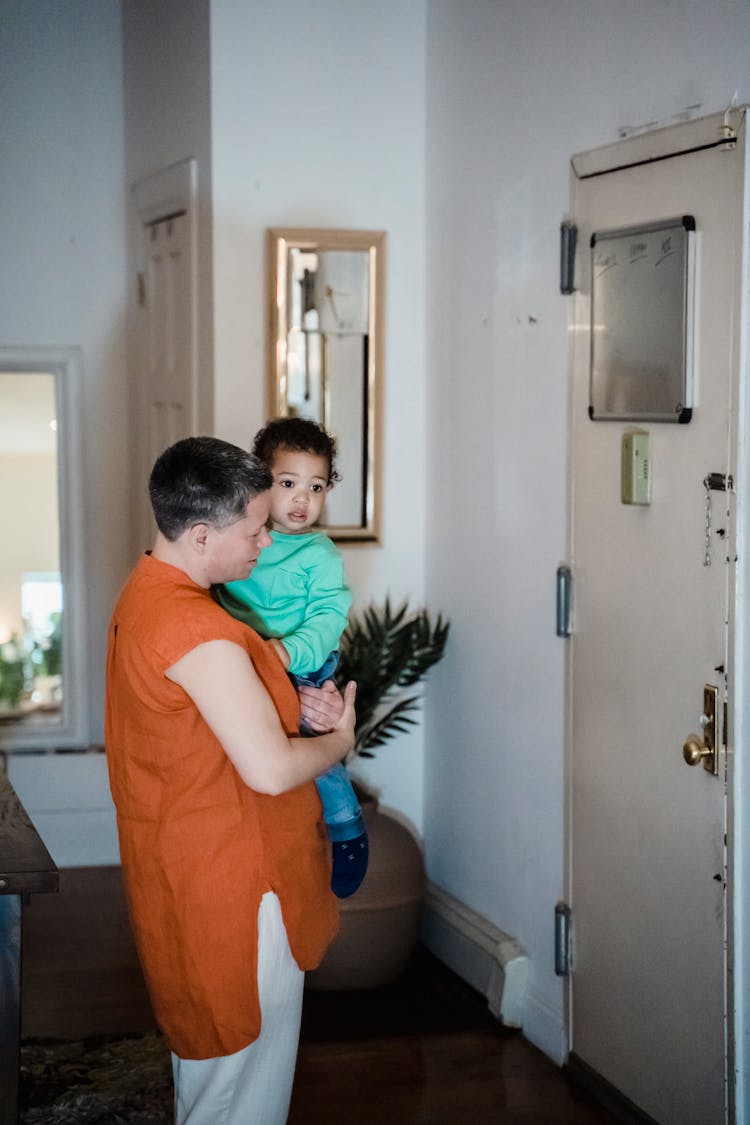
x=296 y=596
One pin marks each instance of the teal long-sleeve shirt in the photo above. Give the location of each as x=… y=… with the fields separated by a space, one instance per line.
x=296 y=592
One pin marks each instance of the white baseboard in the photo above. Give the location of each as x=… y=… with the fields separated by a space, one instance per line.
x=545 y=1028
x=488 y=959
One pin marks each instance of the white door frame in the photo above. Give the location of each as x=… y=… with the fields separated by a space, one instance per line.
x=643 y=149
x=66 y=365
x=739 y=793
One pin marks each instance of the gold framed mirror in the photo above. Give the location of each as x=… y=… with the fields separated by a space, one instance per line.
x=326 y=333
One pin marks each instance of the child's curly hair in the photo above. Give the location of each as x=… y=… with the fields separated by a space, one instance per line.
x=302 y=435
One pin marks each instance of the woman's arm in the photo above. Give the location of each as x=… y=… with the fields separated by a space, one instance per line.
x=220 y=679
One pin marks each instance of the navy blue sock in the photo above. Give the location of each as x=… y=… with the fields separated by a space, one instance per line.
x=349 y=865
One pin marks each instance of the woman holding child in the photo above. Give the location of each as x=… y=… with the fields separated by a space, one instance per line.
x=223 y=848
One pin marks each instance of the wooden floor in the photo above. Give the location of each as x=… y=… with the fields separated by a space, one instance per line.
x=424 y=1051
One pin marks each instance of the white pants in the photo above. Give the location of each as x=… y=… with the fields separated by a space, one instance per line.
x=253 y=1086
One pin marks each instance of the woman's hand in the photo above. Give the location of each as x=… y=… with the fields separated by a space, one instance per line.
x=324 y=708
x=348 y=718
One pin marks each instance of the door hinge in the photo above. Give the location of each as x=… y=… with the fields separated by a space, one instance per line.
x=563 y=916
x=564 y=600
x=141 y=289
x=568 y=240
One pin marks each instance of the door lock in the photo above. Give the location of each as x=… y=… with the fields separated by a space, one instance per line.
x=697 y=749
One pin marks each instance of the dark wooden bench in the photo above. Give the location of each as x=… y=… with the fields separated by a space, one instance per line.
x=26 y=868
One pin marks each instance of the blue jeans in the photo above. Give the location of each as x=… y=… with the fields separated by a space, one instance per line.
x=341 y=810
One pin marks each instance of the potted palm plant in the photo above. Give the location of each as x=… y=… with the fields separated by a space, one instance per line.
x=388 y=652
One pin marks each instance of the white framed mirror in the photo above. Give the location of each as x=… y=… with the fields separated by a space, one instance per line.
x=326 y=334
x=43 y=685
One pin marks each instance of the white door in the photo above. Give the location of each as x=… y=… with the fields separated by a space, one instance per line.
x=165 y=390
x=166 y=330
x=652 y=627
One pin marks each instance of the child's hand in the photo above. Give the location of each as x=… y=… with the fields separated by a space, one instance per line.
x=280 y=651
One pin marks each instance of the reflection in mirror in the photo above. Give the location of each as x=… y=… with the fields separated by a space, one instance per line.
x=326 y=292
x=36 y=706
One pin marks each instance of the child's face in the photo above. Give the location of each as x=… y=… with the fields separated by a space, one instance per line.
x=300 y=484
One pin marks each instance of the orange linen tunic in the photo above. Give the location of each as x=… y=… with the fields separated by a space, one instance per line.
x=199 y=847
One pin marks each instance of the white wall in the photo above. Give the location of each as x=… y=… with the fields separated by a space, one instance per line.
x=318 y=121
x=63 y=251
x=513 y=90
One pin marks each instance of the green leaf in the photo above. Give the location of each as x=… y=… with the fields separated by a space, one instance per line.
x=387 y=650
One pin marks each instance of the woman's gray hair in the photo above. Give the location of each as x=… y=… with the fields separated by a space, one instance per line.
x=204 y=480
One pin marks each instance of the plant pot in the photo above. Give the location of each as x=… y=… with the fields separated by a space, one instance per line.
x=380 y=922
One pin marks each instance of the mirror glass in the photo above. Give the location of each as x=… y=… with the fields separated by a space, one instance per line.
x=326 y=298
x=38 y=705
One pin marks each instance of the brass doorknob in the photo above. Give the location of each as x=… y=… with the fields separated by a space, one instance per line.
x=695 y=750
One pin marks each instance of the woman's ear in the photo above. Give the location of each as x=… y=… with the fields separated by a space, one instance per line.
x=198 y=537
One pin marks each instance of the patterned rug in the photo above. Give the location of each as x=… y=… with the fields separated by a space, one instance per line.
x=97 y=1081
